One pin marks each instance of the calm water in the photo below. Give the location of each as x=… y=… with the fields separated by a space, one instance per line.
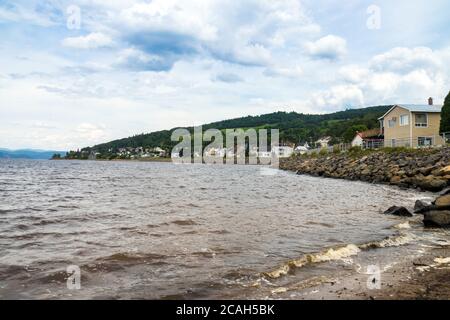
x=158 y=230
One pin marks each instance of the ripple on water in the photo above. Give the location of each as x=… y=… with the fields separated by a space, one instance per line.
x=131 y=219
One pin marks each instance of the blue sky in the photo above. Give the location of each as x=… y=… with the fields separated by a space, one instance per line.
x=122 y=67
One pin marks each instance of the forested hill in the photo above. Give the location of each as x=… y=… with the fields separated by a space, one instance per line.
x=294 y=127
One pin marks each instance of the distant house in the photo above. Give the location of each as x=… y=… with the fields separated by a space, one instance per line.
x=412 y=125
x=216 y=152
x=368 y=139
x=302 y=149
x=323 y=142
x=159 y=152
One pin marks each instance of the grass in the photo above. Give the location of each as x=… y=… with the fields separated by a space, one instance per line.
x=357 y=152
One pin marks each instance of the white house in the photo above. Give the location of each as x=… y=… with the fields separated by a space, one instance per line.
x=323 y=142
x=301 y=149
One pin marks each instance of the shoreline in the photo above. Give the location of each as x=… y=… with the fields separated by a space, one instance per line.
x=416 y=278
x=165 y=160
x=424 y=169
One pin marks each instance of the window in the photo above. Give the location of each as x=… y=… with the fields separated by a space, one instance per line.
x=424 y=141
x=393 y=143
x=391 y=123
x=421 y=120
x=404 y=120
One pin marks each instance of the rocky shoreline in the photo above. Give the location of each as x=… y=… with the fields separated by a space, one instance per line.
x=423 y=169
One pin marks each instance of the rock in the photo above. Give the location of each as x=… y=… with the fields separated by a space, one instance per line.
x=444 y=192
x=443 y=201
x=439 y=219
x=398 y=211
x=444 y=171
x=431 y=183
x=420 y=206
x=396 y=180
x=426 y=171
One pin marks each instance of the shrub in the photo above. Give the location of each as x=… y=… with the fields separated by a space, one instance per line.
x=355 y=149
x=445 y=115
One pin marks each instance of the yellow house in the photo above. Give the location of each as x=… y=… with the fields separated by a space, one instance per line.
x=412 y=126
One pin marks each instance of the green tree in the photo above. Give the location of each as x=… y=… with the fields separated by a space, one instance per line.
x=445 y=115
x=350 y=133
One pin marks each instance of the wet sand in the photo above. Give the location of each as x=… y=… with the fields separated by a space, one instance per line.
x=416 y=278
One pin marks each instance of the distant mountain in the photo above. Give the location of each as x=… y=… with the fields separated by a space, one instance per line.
x=294 y=127
x=28 y=154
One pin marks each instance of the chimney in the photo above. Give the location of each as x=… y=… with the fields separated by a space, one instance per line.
x=430 y=101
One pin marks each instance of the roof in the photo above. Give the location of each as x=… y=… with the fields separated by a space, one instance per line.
x=415 y=108
x=369 y=133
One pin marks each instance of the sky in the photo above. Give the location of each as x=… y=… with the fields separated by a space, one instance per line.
x=78 y=73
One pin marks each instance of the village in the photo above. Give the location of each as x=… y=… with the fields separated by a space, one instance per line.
x=403 y=125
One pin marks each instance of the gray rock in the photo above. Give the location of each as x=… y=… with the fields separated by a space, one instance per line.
x=421 y=206
x=437 y=219
x=398 y=211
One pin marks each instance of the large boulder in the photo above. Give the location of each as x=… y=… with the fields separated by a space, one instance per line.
x=431 y=183
x=437 y=219
x=398 y=211
x=445 y=171
x=443 y=201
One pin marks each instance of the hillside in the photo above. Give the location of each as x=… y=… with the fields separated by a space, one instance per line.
x=27 y=154
x=294 y=128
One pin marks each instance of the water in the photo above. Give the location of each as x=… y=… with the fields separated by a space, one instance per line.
x=161 y=231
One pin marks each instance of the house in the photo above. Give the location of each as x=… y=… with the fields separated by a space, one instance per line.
x=407 y=125
x=216 y=152
x=302 y=149
x=369 y=139
x=323 y=142
x=159 y=152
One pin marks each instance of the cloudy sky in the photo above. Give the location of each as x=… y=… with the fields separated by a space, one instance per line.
x=76 y=73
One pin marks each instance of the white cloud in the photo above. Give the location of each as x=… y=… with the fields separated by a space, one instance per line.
x=248 y=33
x=405 y=60
x=329 y=47
x=91 y=132
x=353 y=73
x=287 y=72
x=339 y=97
x=90 y=41
x=22 y=13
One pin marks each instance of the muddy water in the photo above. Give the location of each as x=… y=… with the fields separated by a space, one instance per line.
x=162 y=231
